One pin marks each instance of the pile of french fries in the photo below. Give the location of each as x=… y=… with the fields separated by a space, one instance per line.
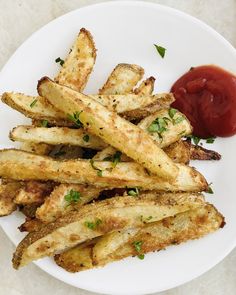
x=102 y=177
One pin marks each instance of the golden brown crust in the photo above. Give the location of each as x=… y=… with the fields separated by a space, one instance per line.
x=146 y=87
x=18 y=165
x=122 y=79
x=30 y=225
x=154 y=236
x=179 y=152
x=79 y=63
x=115 y=213
x=199 y=153
x=7 y=195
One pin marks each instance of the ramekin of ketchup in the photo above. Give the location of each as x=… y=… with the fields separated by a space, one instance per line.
x=207 y=96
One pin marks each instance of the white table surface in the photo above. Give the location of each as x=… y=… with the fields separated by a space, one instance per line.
x=18 y=20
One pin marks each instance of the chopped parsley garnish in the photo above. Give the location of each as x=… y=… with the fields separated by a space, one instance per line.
x=138 y=248
x=210 y=190
x=134 y=192
x=161 y=50
x=93 y=225
x=61 y=61
x=197 y=139
x=33 y=103
x=72 y=196
x=159 y=126
x=75 y=118
x=115 y=159
x=210 y=140
x=44 y=123
x=178 y=120
x=145 y=219
x=99 y=171
x=172 y=112
x=86 y=138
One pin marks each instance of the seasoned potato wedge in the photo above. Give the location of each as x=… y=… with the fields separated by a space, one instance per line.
x=155 y=236
x=199 y=153
x=33 y=192
x=96 y=219
x=37 y=148
x=179 y=152
x=7 y=194
x=20 y=165
x=56 y=204
x=114 y=130
x=146 y=87
x=122 y=79
x=166 y=128
x=129 y=106
x=79 y=64
x=56 y=136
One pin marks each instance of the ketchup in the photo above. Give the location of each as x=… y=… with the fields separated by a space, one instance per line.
x=207 y=96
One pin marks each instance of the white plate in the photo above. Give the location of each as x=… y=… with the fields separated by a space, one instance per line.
x=125 y=32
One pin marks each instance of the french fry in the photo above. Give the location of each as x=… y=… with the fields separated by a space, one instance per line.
x=79 y=64
x=155 y=236
x=199 y=153
x=146 y=87
x=122 y=79
x=33 y=192
x=29 y=210
x=166 y=126
x=94 y=220
x=130 y=106
x=7 y=195
x=56 y=204
x=56 y=136
x=114 y=130
x=20 y=165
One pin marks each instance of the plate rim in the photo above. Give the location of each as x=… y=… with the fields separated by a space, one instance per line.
x=174 y=11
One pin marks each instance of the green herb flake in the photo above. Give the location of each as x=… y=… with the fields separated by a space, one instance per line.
x=172 y=112
x=158 y=125
x=72 y=196
x=93 y=225
x=210 y=190
x=60 y=61
x=116 y=158
x=99 y=171
x=141 y=256
x=178 y=120
x=33 y=103
x=196 y=139
x=44 y=123
x=210 y=140
x=75 y=118
x=86 y=138
x=161 y=50
x=134 y=192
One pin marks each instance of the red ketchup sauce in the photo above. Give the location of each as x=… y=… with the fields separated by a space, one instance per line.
x=207 y=96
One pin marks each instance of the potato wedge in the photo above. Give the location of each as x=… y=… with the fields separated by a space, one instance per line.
x=56 y=136
x=79 y=64
x=33 y=192
x=56 y=205
x=166 y=128
x=122 y=79
x=34 y=107
x=29 y=210
x=130 y=106
x=20 y=165
x=7 y=194
x=155 y=236
x=99 y=218
x=114 y=130
x=199 y=153
x=146 y=87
